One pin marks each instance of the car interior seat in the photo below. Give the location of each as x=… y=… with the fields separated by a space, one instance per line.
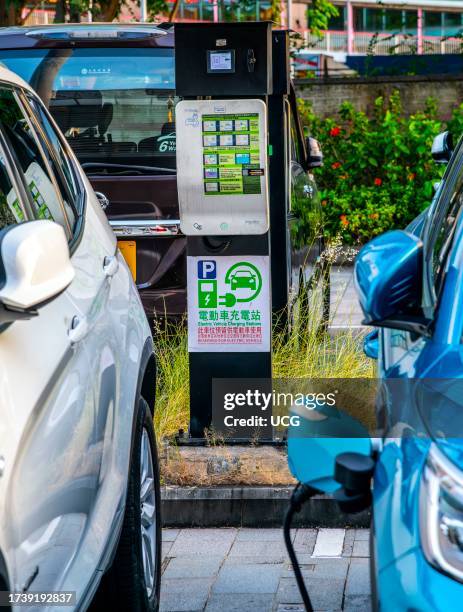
x=154 y=143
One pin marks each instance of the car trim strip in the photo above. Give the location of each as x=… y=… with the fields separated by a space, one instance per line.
x=146 y=227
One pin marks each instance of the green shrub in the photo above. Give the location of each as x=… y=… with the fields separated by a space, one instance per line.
x=378 y=172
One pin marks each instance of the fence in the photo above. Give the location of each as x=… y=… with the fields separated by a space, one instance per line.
x=382 y=44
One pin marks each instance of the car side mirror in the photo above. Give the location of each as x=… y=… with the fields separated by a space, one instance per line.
x=387 y=276
x=442 y=148
x=35 y=266
x=371 y=344
x=314 y=153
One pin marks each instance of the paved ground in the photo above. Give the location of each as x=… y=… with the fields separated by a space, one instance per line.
x=345 y=309
x=241 y=570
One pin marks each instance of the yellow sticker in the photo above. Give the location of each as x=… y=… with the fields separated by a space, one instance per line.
x=128 y=249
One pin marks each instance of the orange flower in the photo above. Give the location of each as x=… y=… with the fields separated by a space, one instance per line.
x=335 y=131
x=344 y=220
x=336 y=165
x=374 y=216
x=324 y=202
x=378 y=182
x=411 y=176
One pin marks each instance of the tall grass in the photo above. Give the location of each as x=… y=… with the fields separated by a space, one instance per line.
x=300 y=353
x=172 y=391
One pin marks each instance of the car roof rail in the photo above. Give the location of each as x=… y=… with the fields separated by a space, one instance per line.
x=96 y=32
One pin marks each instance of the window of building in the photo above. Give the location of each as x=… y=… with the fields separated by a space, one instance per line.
x=393 y=21
x=411 y=21
x=452 y=23
x=368 y=20
x=432 y=23
x=338 y=22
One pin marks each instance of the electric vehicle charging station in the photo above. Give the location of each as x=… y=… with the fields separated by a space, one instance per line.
x=233 y=189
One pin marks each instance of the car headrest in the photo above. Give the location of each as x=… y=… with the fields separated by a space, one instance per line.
x=106 y=116
x=77 y=109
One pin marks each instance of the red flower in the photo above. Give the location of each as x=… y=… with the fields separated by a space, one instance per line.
x=378 y=182
x=336 y=165
x=335 y=131
x=411 y=176
x=344 y=220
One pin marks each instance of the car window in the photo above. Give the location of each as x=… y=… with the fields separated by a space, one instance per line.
x=61 y=162
x=113 y=105
x=450 y=210
x=24 y=148
x=11 y=210
x=295 y=148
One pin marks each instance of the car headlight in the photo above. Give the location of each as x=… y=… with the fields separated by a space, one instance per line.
x=441 y=514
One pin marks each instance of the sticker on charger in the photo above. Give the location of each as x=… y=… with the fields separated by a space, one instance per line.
x=228 y=304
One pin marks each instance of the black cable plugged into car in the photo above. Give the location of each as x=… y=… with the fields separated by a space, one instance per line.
x=354 y=472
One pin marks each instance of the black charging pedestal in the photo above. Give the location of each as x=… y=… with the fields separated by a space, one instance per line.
x=239 y=61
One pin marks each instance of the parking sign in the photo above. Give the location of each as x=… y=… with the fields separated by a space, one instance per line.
x=206 y=269
x=229 y=304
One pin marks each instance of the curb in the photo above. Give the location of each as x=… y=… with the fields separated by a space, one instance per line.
x=249 y=507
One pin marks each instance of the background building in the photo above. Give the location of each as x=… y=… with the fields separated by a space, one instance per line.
x=362 y=26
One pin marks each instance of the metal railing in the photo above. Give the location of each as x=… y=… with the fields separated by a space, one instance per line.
x=382 y=44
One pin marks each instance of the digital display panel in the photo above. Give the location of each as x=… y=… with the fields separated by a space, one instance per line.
x=221 y=61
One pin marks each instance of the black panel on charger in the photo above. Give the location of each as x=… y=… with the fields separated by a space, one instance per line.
x=251 y=74
x=280 y=60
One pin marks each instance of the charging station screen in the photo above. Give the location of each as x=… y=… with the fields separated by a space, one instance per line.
x=221 y=61
x=231 y=159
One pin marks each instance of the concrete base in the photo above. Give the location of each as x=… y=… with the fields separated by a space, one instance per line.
x=248 y=507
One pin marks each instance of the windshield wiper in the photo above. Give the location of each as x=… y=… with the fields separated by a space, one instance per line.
x=88 y=165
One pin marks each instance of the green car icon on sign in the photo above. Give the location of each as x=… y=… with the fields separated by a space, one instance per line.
x=243 y=275
x=243 y=279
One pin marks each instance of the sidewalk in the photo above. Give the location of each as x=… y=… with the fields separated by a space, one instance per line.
x=345 y=308
x=241 y=570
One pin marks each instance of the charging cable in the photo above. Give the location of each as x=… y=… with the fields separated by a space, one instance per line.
x=299 y=496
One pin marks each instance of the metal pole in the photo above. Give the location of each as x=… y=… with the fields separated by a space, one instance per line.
x=143 y=11
x=288 y=14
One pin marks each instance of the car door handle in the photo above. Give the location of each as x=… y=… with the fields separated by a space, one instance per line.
x=110 y=265
x=78 y=330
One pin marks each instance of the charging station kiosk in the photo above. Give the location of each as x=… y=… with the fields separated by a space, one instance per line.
x=232 y=189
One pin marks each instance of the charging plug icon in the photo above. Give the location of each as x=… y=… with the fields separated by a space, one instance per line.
x=228 y=300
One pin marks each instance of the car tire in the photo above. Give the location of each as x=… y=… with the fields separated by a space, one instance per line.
x=132 y=583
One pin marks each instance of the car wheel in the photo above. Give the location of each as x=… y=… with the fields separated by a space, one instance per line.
x=134 y=579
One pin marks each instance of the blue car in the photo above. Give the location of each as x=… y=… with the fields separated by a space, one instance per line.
x=410 y=287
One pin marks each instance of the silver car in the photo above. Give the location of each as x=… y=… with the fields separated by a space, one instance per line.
x=79 y=482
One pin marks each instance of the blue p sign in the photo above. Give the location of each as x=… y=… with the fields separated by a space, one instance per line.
x=207 y=269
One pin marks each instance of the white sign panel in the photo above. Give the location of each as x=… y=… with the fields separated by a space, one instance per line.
x=222 y=174
x=228 y=304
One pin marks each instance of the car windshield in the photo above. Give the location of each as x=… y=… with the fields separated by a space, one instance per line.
x=114 y=105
